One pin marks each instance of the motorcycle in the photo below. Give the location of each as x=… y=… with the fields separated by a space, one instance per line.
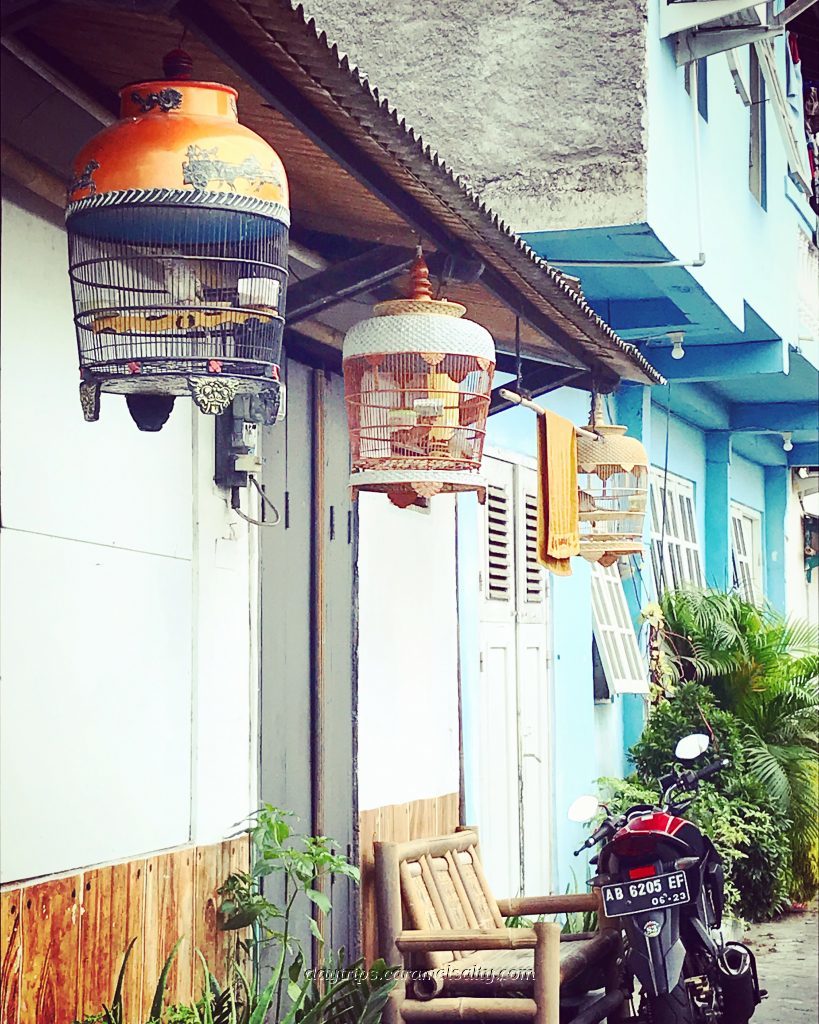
x=664 y=881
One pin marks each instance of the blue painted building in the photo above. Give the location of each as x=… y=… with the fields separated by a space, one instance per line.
x=721 y=267
x=654 y=150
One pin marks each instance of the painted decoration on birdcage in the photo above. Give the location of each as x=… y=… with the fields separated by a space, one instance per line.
x=417 y=380
x=177 y=224
x=612 y=480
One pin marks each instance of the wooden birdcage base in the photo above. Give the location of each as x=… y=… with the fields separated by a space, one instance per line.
x=212 y=392
x=405 y=487
x=606 y=550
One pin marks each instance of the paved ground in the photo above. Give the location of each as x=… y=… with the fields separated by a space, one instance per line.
x=787 y=953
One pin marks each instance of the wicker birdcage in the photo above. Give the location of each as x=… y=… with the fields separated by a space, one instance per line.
x=418 y=381
x=177 y=224
x=612 y=479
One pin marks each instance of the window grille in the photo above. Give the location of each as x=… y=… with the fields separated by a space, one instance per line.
x=675 y=550
x=746 y=551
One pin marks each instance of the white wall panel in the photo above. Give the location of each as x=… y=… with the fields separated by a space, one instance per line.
x=128 y=660
x=223 y=656
x=95 y=707
x=107 y=481
x=408 y=655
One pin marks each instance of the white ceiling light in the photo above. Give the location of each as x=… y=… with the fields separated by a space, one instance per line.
x=787 y=443
x=677 y=350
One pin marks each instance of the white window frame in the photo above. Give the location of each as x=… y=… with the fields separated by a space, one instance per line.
x=674 y=547
x=617 y=645
x=746 y=552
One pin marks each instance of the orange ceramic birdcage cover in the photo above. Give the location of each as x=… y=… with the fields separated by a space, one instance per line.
x=178 y=134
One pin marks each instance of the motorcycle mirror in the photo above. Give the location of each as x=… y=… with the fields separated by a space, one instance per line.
x=690 y=747
x=584 y=808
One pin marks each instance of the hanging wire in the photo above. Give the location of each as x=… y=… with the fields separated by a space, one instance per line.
x=446 y=275
x=235 y=498
x=518 y=359
x=661 y=582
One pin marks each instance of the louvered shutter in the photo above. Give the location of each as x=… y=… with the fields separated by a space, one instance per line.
x=623 y=664
x=499 y=563
x=675 y=550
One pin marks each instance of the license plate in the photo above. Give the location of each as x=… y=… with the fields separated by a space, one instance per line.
x=643 y=894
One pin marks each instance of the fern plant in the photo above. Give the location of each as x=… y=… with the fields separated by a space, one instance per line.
x=764 y=669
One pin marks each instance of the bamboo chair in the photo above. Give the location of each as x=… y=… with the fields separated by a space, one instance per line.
x=438 y=919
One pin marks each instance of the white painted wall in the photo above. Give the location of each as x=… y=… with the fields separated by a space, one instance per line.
x=408 y=652
x=128 y=672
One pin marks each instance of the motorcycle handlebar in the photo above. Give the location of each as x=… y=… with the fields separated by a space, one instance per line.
x=712 y=769
x=600 y=833
x=688 y=780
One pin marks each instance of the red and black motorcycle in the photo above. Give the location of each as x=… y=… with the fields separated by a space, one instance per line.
x=663 y=879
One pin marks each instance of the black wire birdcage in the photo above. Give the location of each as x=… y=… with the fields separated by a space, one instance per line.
x=174 y=300
x=177 y=235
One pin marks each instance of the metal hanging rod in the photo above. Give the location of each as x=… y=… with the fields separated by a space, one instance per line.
x=512 y=396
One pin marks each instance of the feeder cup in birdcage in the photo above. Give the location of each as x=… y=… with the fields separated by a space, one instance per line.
x=612 y=479
x=418 y=380
x=177 y=226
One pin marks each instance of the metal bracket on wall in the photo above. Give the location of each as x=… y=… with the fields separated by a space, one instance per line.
x=537 y=379
x=367 y=272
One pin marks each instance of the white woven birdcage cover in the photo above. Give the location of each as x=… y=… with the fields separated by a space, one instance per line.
x=611 y=452
x=384 y=335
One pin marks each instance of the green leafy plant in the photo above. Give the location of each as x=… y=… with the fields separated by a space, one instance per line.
x=348 y=994
x=339 y=993
x=763 y=670
x=113 y=1014
x=303 y=864
x=581 y=920
x=353 y=994
x=735 y=810
x=733 y=645
x=693 y=708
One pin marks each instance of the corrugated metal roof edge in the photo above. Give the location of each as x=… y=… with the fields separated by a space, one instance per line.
x=465 y=203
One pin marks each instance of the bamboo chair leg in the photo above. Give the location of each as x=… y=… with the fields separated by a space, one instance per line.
x=547 y=973
x=387 y=871
x=392 y=1008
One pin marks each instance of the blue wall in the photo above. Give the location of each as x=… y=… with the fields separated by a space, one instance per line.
x=748 y=483
x=686 y=454
x=737 y=229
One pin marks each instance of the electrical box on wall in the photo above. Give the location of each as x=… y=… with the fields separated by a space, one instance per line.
x=237 y=449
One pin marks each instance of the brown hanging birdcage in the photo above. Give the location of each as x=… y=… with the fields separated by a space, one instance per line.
x=417 y=380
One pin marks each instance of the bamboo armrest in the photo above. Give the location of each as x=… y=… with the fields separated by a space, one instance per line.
x=568 y=904
x=439 y=941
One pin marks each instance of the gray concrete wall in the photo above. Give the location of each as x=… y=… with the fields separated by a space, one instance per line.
x=538 y=104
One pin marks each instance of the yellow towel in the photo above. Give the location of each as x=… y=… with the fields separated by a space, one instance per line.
x=558 y=532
